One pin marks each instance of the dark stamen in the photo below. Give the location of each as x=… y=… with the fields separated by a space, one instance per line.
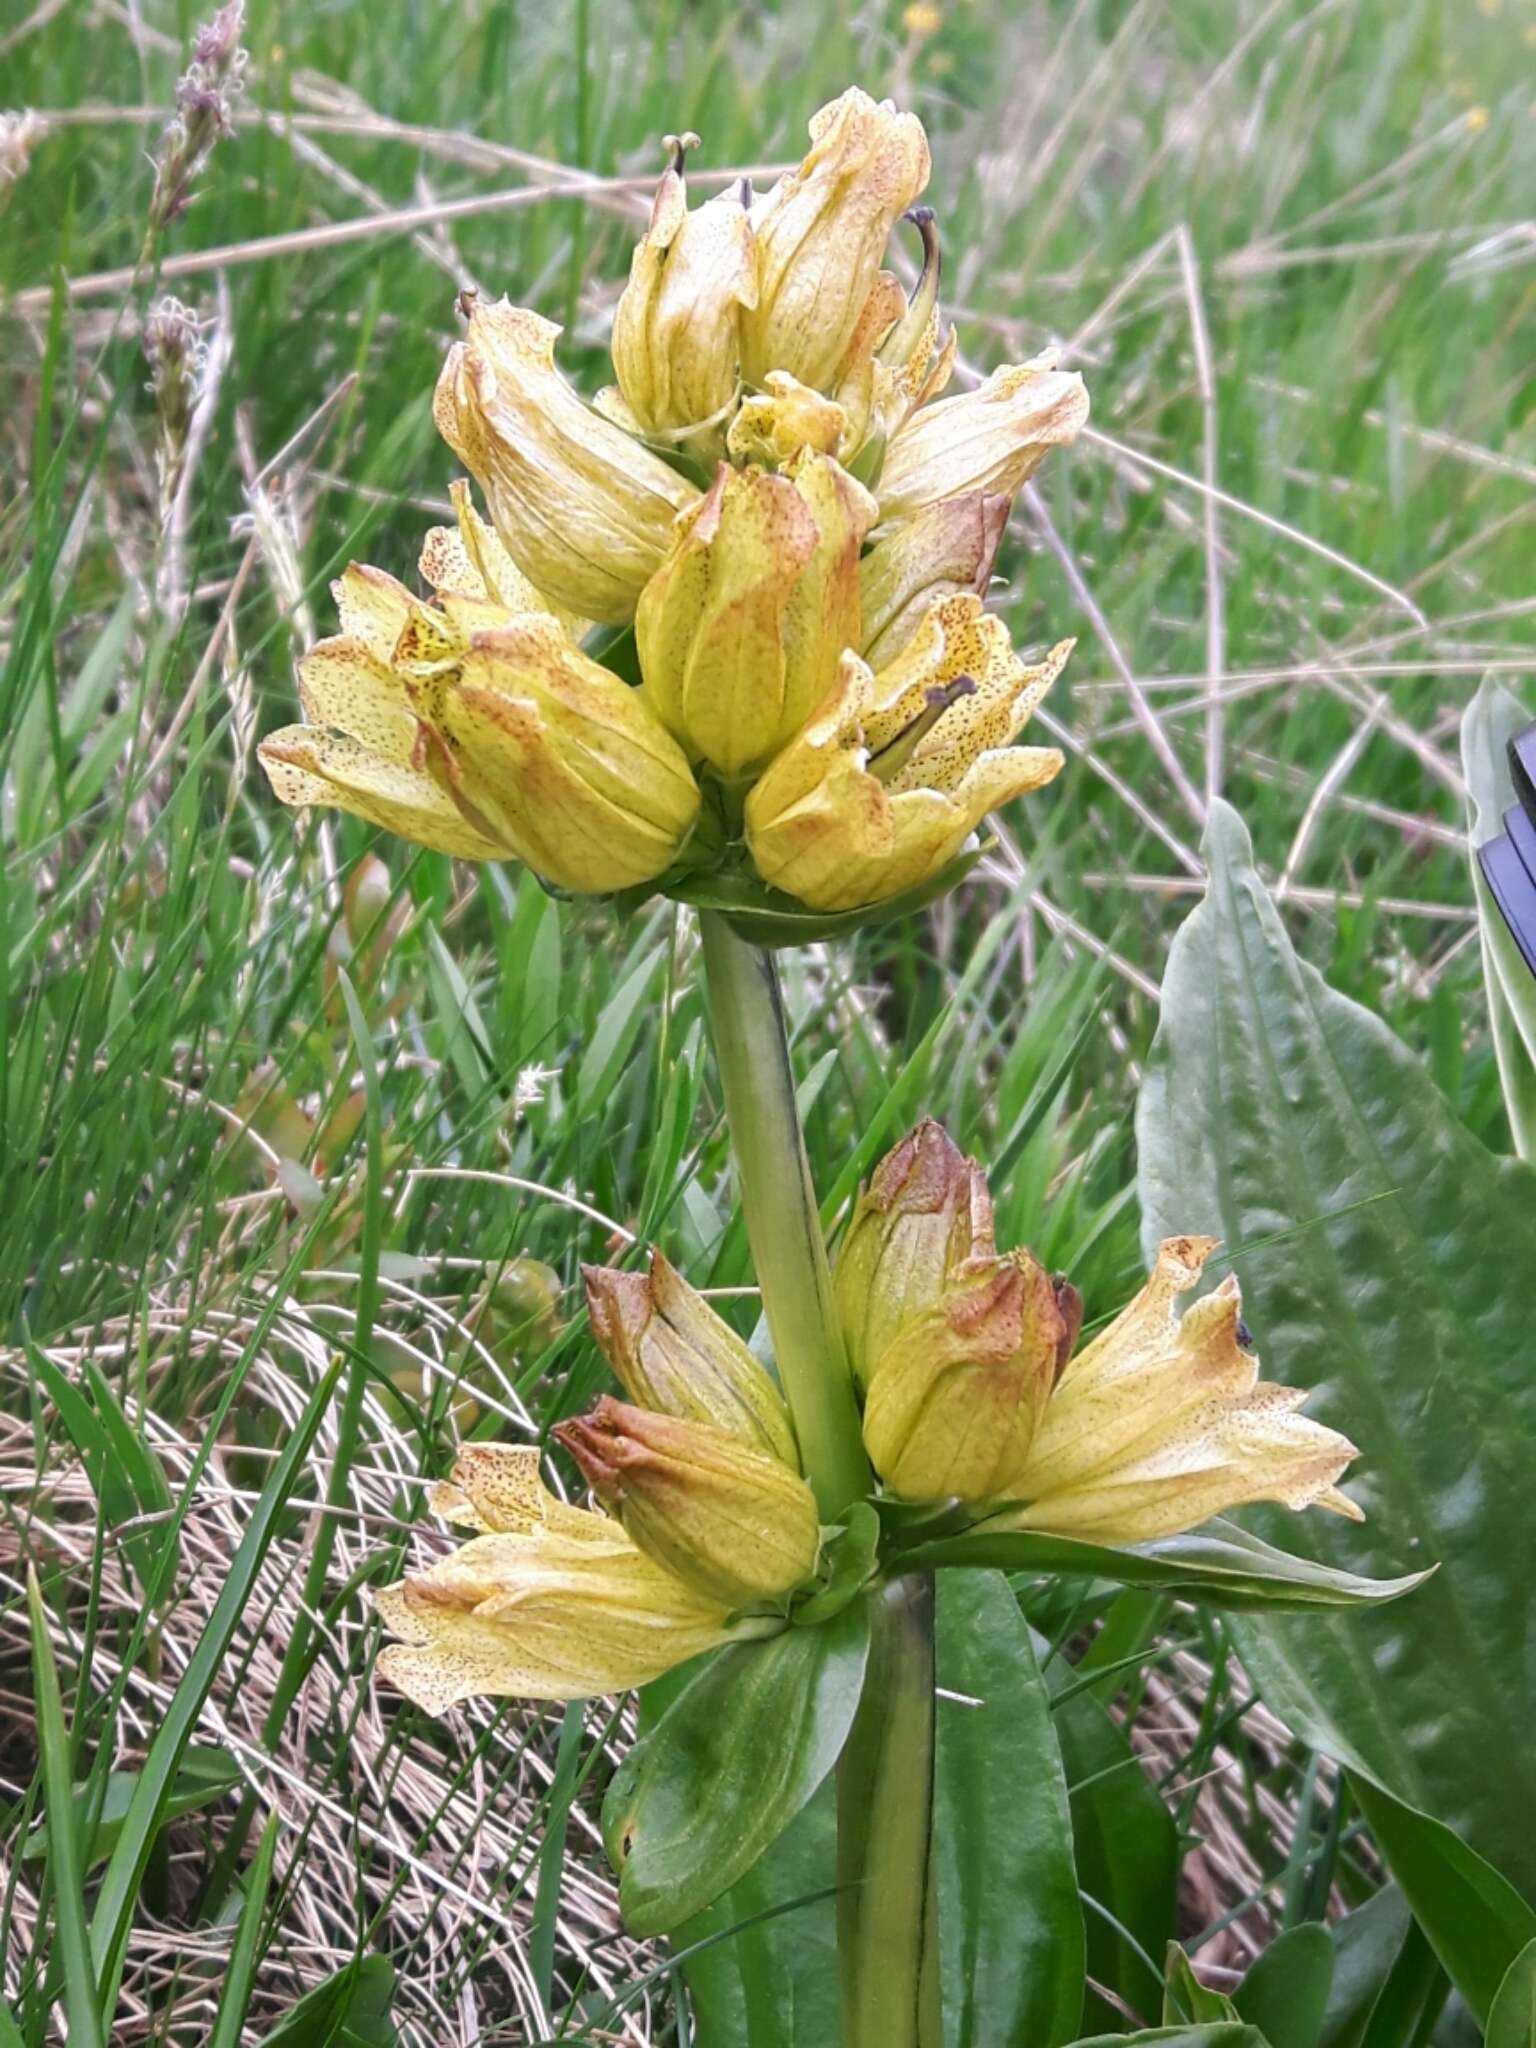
x=889 y=760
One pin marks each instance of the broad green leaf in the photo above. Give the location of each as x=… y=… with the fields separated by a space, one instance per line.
x=206 y=1774
x=729 y=1765
x=347 y=2010
x=1285 y=1993
x=1368 y=1947
x=1219 y=1564
x=1474 y=1918
x=847 y=1559
x=1010 y=1921
x=767 y=917
x=1227 y=2034
x=1486 y=727
x=1126 y=1846
x=1388 y=1263
x=1512 y=2022
x=1185 y=1997
x=768 y=1976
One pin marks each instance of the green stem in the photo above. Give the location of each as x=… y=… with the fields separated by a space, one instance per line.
x=887 y=1902
x=752 y=1050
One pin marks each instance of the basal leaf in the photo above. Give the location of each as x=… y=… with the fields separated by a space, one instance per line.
x=729 y=1765
x=1490 y=720
x=1512 y=2022
x=1285 y=1993
x=1388 y=1264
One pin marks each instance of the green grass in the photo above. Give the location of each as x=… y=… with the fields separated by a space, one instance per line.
x=1323 y=193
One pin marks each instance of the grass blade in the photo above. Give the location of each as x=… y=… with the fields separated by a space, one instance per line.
x=63 y=1849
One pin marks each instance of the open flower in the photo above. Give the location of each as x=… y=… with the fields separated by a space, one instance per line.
x=821 y=233
x=473 y=725
x=741 y=629
x=584 y=509
x=883 y=785
x=677 y=326
x=737 y=1524
x=1162 y=1421
x=547 y=1602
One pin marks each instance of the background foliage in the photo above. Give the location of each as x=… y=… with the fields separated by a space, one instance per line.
x=256 y=1119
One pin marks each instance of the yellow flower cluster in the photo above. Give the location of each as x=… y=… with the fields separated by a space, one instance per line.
x=709 y=1517
x=974 y=1390
x=776 y=502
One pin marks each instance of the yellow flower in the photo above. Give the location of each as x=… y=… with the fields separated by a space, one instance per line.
x=480 y=730
x=955 y=1395
x=548 y=1602
x=737 y=1524
x=883 y=785
x=672 y=1353
x=1162 y=1421
x=740 y=631
x=784 y=417
x=991 y=439
x=941 y=551
x=583 y=508
x=821 y=233
x=924 y=1213
x=676 y=330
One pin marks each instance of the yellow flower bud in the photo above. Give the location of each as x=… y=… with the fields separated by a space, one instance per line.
x=956 y=1394
x=546 y=748
x=737 y=1525
x=549 y=1602
x=821 y=233
x=786 y=416
x=740 y=631
x=676 y=329
x=672 y=1353
x=881 y=788
x=942 y=551
x=991 y=439
x=584 y=510
x=925 y=1212
x=1162 y=1421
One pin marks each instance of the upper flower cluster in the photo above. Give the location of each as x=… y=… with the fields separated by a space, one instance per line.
x=778 y=506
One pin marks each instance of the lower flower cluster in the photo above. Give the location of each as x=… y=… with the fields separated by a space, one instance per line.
x=976 y=1397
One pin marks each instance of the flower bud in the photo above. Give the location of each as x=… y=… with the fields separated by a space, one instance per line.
x=736 y=1525
x=879 y=790
x=991 y=439
x=670 y=1352
x=925 y=1211
x=1162 y=1421
x=740 y=631
x=676 y=330
x=584 y=510
x=541 y=746
x=785 y=416
x=821 y=234
x=942 y=551
x=956 y=1395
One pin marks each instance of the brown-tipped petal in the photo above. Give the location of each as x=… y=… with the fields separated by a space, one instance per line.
x=943 y=551
x=991 y=439
x=308 y=766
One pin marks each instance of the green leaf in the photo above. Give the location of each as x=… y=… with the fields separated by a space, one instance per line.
x=1223 y=2035
x=1371 y=1946
x=1010 y=1922
x=1388 y=1262
x=847 y=1559
x=245 y=1951
x=767 y=917
x=1125 y=1842
x=1490 y=720
x=347 y=2010
x=1474 y=1918
x=65 y=1875
x=614 y=1033
x=1512 y=2022
x=1285 y=1993
x=729 y=1765
x=1219 y=1564
x=1185 y=1997
x=206 y=1774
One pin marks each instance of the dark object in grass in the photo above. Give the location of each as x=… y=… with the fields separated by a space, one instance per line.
x=1509 y=862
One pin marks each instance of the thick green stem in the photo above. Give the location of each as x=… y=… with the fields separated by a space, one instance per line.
x=887 y=1901
x=783 y=1227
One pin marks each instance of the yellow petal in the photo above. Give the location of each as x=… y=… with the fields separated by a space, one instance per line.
x=306 y=766
x=373 y=606
x=346 y=685
x=471 y=563
x=943 y=551
x=991 y=439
